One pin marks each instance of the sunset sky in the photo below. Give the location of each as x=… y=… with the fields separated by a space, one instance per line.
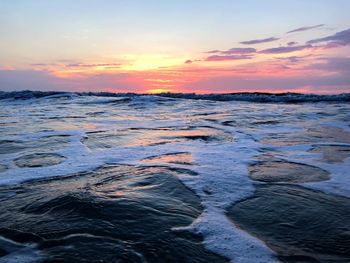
x=179 y=46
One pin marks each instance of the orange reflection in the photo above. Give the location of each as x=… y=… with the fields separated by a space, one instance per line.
x=176 y=158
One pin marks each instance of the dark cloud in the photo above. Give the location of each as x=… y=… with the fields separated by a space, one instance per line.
x=188 y=61
x=284 y=49
x=341 y=38
x=292 y=43
x=227 y=57
x=258 y=41
x=305 y=28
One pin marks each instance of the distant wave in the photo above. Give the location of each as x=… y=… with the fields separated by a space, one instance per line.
x=262 y=97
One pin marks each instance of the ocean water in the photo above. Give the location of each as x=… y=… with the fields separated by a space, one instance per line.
x=86 y=178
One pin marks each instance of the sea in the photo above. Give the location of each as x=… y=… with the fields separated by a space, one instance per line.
x=242 y=178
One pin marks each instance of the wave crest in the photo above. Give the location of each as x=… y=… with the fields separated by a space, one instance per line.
x=261 y=97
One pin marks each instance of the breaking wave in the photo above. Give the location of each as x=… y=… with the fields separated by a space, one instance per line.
x=261 y=97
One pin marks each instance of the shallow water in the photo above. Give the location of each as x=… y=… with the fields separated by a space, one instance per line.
x=155 y=179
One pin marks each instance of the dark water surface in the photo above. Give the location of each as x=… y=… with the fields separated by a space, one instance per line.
x=114 y=214
x=158 y=179
x=301 y=225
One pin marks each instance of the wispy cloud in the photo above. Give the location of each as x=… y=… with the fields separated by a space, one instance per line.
x=293 y=59
x=292 y=43
x=305 y=28
x=339 y=38
x=285 y=49
x=83 y=65
x=227 y=57
x=239 y=51
x=77 y=65
x=231 y=54
x=259 y=41
x=213 y=51
x=43 y=64
x=231 y=51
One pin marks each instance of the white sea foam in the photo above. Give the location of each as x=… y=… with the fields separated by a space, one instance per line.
x=223 y=180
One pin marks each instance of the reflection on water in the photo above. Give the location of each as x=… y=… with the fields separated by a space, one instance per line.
x=332 y=153
x=176 y=158
x=269 y=169
x=317 y=135
x=99 y=140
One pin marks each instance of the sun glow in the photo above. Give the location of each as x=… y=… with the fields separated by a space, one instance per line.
x=150 y=62
x=157 y=91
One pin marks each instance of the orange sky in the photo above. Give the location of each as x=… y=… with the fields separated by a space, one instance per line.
x=157 y=73
x=187 y=46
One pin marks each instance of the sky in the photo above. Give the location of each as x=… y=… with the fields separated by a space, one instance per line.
x=201 y=46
